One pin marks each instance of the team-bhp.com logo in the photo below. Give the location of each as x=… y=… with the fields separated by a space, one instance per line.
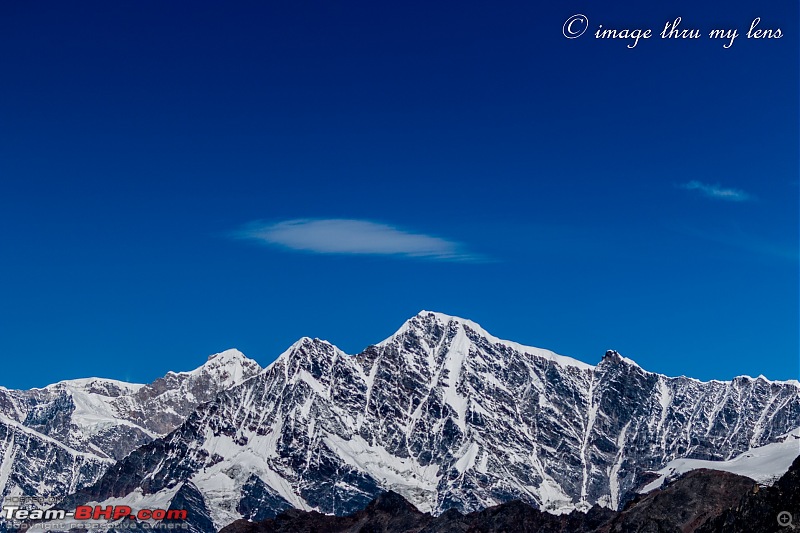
x=96 y=512
x=83 y=514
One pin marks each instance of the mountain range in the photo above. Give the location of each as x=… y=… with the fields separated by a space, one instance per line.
x=442 y=413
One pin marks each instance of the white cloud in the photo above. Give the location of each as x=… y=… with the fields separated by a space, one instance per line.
x=717 y=191
x=357 y=237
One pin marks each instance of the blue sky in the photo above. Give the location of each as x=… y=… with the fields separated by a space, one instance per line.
x=182 y=178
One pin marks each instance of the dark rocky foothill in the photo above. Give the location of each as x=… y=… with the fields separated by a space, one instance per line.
x=758 y=511
x=683 y=505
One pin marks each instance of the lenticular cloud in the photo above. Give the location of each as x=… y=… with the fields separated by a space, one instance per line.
x=349 y=236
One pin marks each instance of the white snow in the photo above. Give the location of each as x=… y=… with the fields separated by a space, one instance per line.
x=86 y=383
x=613 y=476
x=4 y=419
x=456 y=355
x=794 y=382
x=631 y=362
x=95 y=413
x=413 y=481
x=763 y=464
x=227 y=366
x=467 y=460
x=483 y=464
x=665 y=398
x=761 y=377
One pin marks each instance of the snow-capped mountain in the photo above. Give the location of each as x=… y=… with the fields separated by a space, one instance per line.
x=448 y=416
x=60 y=438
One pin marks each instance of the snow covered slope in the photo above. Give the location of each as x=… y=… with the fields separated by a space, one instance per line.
x=59 y=438
x=764 y=464
x=448 y=416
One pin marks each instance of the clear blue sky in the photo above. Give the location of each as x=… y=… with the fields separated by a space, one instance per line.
x=184 y=177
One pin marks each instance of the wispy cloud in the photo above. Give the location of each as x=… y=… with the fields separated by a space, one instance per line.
x=356 y=237
x=731 y=234
x=716 y=191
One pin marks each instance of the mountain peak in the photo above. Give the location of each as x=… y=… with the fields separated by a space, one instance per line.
x=303 y=342
x=424 y=320
x=445 y=318
x=614 y=357
x=228 y=367
x=228 y=358
x=231 y=354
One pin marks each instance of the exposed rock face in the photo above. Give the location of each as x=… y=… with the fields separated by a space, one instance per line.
x=58 y=439
x=449 y=417
x=175 y=396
